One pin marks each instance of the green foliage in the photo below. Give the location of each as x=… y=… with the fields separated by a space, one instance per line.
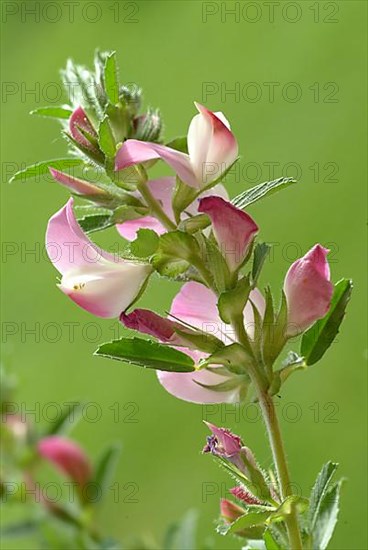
x=260 y=254
x=319 y=337
x=262 y=190
x=145 y=244
x=145 y=353
x=53 y=112
x=41 y=168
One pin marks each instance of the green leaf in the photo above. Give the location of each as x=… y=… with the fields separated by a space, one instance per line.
x=53 y=112
x=106 y=139
x=69 y=417
x=105 y=467
x=41 y=168
x=145 y=244
x=194 y=223
x=319 y=490
x=95 y=222
x=111 y=78
x=259 y=256
x=176 y=252
x=270 y=542
x=179 y=144
x=215 y=263
x=320 y=336
x=260 y=191
x=183 y=196
x=145 y=353
x=327 y=518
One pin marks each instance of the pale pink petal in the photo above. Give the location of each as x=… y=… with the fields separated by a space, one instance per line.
x=211 y=144
x=258 y=300
x=76 y=185
x=162 y=189
x=234 y=229
x=66 y=244
x=183 y=386
x=308 y=290
x=135 y=152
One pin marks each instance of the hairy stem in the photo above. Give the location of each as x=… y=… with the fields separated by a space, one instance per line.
x=276 y=444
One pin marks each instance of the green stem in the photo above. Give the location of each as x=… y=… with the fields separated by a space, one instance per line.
x=276 y=443
x=279 y=456
x=155 y=206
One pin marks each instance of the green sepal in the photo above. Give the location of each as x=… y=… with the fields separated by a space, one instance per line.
x=201 y=341
x=274 y=329
x=232 y=302
x=260 y=254
x=176 y=252
x=146 y=243
x=287 y=507
x=214 y=262
x=179 y=144
x=148 y=354
x=234 y=357
x=194 y=223
x=316 y=340
x=183 y=196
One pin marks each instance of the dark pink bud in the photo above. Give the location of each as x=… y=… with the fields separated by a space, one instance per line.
x=79 y=120
x=245 y=496
x=67 y=456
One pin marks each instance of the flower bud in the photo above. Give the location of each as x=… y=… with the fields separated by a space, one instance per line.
x=67 y=456
x=79 y=121
x=230 y=511
x=148 y=127
x=308 y=290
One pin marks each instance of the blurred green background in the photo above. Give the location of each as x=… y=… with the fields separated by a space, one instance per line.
x=180 y=52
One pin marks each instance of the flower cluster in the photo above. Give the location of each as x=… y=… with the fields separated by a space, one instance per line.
x=182 y=226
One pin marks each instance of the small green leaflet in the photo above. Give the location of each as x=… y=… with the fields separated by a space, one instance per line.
x=327 y=518
x=111 y=78
x=260 y=191
x=53 y=112
x=41 y=168
x=145 y=244
x=146 y=353
x=320 y=336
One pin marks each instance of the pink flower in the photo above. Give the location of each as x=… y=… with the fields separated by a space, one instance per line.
x=162 y=189
x=67 y=456
x=234 y=229
x=211 y=145
x=308 y=290
x=99 y=282
x=195 y=305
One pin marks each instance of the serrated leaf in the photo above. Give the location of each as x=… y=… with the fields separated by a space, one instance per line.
x=105 y=468
x=145 y=244
x=111 y=79
x=41 y=168
x=317 y=339
x=260 y=253
x=319 y=490
x=262 y=190
x=145 y=353
x=327 y=518
x=53 y=112
x=69 y=417
x=106 y=139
